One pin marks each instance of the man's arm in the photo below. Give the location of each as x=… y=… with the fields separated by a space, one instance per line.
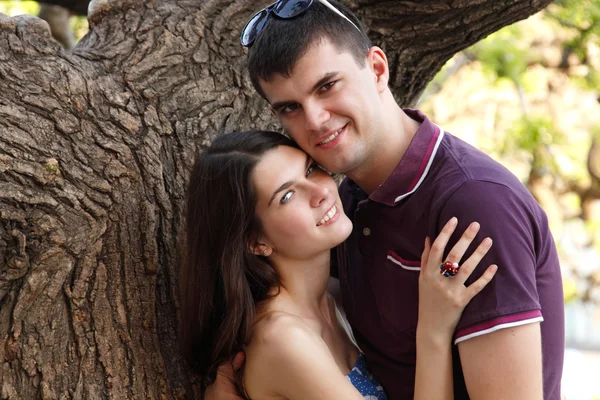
x=223 y=388
x=433 y=378
x=506 y=364
x=499 y=335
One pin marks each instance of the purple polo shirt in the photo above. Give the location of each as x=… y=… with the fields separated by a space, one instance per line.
x=439 y=177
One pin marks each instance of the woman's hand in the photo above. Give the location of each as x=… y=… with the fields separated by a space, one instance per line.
x=442 y=299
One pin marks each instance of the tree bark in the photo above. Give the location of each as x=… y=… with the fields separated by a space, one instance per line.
x=96 y=145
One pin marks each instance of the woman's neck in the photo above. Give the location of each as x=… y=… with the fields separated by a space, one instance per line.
x=303 y=285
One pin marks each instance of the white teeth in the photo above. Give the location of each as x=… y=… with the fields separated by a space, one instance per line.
x=328 y=216
x=330 y=138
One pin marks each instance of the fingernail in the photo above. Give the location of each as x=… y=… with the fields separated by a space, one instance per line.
x=494 y=268
x=474 y=226
x=453 y=221
x=487 y=242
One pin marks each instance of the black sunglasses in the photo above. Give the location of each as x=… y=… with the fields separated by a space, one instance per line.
x=284 y=9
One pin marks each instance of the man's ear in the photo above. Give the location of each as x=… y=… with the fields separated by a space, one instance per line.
x=377 y=61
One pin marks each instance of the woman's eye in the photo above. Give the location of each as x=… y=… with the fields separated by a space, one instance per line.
x=286 y=197
x=313 y=167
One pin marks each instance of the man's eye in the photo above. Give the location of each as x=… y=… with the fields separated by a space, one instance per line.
x=326 y=86
x=289 y=108
x=286 y=197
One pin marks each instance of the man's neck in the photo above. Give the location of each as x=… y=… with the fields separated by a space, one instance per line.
x=389 y=150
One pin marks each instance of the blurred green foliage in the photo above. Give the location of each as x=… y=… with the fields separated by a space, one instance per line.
x=506 y=55
x=79 y=24
x=19 y=7
x=580 y=15
x=571 y=293
x=534 y=134
x=529 y=99
x=502 y=54
x=582 y=18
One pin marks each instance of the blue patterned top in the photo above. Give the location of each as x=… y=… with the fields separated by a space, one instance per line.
x=364 y=382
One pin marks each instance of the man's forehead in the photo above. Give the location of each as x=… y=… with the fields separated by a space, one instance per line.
x=307 y=73
x=302 y=82
x=320 y=54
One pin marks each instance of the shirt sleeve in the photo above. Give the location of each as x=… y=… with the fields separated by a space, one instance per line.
x=508 y=217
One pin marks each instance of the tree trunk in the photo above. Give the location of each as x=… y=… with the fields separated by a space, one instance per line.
x=96 y=145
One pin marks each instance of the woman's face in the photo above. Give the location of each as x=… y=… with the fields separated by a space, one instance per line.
x=298 y=205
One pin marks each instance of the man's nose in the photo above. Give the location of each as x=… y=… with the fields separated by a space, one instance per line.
x=316 y=115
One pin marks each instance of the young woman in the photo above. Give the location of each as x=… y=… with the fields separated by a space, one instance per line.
x=261 y=221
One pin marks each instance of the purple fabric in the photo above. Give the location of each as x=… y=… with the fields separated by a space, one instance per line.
x=440 y=177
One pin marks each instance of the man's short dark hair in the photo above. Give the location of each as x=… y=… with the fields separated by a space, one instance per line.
x=283 y=42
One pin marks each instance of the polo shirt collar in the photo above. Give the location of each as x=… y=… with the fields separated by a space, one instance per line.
x=414 y=166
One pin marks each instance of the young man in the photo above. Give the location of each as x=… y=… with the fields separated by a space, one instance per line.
x=405 y=177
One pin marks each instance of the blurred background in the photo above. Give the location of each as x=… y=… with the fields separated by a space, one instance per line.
x=529 y=96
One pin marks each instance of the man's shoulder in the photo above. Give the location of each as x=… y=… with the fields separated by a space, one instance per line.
x=468 y=181
x=460 y=162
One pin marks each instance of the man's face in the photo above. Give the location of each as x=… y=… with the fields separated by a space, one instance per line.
x=331 y=106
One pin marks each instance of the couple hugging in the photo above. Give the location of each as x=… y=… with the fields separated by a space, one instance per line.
x=448 y=274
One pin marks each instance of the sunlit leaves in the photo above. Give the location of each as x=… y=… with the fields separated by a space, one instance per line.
x=19 y=7
x=502 y=54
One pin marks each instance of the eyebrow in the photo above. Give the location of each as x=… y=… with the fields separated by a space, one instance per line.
x=326 y=78
x=289 y=183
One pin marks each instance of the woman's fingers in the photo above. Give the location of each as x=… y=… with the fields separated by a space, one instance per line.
x=463 y=243
x=439 y=244
x=469 y=265
x=480 y=283
x=433 y=254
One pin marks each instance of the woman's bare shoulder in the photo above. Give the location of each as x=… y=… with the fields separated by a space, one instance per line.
x=274 y=330
x=279 y=345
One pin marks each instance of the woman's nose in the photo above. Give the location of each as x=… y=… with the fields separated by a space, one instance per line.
x=319 y=193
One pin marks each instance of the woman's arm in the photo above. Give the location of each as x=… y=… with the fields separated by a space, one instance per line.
x=441 y=303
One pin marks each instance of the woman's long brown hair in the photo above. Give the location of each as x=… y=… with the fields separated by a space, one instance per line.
x=221 y=280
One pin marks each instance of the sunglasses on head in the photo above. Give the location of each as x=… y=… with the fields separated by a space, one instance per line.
x=284 y=9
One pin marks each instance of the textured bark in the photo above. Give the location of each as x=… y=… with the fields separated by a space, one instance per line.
x=95 y=149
